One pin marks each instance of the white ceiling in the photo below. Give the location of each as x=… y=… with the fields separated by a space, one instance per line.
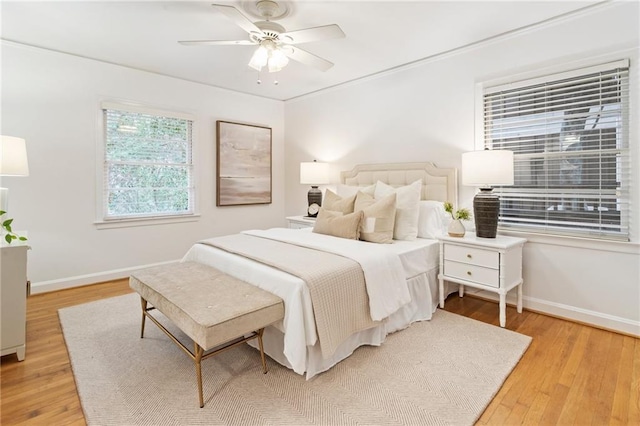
x=380 y=35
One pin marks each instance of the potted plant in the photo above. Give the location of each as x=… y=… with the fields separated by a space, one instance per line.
x=6 y=230
x=456 y=228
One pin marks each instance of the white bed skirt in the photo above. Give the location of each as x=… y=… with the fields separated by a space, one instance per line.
x=424 y=301
x=303 y=353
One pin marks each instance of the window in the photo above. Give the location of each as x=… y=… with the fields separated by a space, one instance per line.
x=148 y=168
x=569 y=135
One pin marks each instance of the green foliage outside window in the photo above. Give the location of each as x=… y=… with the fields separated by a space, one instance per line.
x=148 y=164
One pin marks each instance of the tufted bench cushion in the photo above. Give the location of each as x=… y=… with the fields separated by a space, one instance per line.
x=207 y=305
x=210 y=307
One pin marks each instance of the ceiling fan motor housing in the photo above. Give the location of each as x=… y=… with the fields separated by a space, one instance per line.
x=270 y=31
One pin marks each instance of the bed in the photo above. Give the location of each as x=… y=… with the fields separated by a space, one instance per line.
x=295 y=342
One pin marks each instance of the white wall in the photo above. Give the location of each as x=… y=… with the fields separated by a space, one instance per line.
x=425 y=112
x=53 y=101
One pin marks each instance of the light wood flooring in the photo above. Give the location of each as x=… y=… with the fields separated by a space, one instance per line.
x=571 y=373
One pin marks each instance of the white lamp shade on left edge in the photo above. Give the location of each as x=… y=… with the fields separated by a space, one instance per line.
x=13 y=162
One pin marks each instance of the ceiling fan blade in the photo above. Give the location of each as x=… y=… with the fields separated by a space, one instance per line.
x=307 y=35
x=237 y=17
x=307 y=58
x=217 y=42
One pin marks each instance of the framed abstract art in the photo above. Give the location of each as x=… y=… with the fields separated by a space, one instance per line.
x=243 y=153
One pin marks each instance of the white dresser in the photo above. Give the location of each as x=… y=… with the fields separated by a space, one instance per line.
x=13 y=298
x=490 y=264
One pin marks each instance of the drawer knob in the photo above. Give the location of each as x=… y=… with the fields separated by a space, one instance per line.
x=468 y=272
x=469 y=256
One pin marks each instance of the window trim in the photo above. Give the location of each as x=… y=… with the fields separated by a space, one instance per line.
x=535 y=76
x=143 y=220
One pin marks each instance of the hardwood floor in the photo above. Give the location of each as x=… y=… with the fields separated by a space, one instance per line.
x=571 y=373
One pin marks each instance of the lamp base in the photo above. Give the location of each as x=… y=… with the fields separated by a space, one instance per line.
x=486 y=207
x=314 y=196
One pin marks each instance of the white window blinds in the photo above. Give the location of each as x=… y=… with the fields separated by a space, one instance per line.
x=147 y=165
x=569 y=135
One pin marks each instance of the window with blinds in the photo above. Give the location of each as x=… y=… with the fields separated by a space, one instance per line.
x=569 y=135
x=147 y=164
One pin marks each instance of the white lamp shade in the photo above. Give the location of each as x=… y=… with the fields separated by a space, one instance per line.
x=314 y=173
x=487 y=168
x=13 y=156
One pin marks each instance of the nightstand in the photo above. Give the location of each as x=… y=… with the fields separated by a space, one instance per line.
x=299 y=222
x=490 y=264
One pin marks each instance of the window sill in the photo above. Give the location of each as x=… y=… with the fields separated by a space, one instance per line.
x=576 y=242
x=146 y=221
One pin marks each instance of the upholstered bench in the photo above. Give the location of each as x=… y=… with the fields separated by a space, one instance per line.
x=210 y=307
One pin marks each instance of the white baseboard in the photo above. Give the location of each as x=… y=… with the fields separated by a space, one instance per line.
x=82 y=280
x=572 y=313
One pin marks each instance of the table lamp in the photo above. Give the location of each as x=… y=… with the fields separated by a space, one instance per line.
x=486 y=169
x=314 y=174
x=13 y=162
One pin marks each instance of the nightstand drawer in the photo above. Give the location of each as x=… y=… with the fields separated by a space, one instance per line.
x=298 y=225
x=300 y=222
x=472 y=255
x=473 y=273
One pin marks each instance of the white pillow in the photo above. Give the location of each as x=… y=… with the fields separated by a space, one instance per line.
x=346 y=191
x=432 y=219
x=407 y=199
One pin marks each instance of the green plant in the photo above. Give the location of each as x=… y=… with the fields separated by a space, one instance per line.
x=9 y=235
x=460 y=214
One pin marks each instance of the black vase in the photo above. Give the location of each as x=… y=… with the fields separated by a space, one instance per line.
x=486 y=207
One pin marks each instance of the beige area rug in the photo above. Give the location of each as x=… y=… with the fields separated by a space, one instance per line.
x=443 y=371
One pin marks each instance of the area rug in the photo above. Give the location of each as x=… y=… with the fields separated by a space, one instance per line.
x=443 y=371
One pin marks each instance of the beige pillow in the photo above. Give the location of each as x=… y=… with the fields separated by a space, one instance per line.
x=337 y=224
x=407 y=208
x=379 y=216
x=335 y=203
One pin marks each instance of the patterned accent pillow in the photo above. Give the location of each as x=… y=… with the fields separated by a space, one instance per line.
x=379 y=217
x=407 y=211
x=338 y=225
x=335 y=203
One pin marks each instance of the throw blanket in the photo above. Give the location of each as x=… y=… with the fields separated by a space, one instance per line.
x=383 y=270
x=336 y=284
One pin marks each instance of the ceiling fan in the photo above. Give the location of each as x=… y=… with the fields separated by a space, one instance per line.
x=275 y=44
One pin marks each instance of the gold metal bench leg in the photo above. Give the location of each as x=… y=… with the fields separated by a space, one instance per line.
x=264 y=362
x=198 y=358
x=143 y=302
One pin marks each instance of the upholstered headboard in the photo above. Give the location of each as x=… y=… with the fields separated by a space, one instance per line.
x=440 y=184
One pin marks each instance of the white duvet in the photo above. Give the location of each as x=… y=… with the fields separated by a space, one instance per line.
x=298 y=325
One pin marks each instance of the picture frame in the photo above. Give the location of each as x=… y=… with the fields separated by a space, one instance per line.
x=243 y=164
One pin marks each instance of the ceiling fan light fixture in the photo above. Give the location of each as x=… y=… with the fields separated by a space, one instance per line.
x=277 y=60
x=259 y=58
